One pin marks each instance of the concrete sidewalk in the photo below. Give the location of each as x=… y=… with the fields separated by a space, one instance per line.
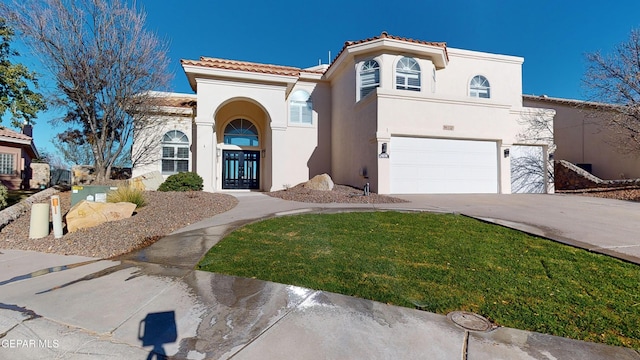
x=152 y=301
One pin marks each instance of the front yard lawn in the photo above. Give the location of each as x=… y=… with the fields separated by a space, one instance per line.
x=441 y=263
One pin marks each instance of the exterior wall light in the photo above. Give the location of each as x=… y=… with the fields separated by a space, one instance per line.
x=384 y=153
x=263 y=152
x=506 y=153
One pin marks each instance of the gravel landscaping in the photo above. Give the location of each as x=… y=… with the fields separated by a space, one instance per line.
x=339 y=194
x=164 y=213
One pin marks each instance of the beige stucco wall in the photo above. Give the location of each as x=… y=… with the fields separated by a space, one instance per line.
x=581 y=138
x=147 y=145
x=441 y=110
x=353 y=128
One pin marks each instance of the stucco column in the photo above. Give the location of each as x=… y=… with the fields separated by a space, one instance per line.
x=383 y=185
x=504 y=169
x=278 y=156
x=206 y=150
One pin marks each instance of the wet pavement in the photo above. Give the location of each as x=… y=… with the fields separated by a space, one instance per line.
x=152 y=302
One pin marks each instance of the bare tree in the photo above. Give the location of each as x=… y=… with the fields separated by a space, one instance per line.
x=531 y=172
x=104 y=63
x=614 y=80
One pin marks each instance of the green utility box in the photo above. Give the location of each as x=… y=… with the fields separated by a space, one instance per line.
x=97 y=193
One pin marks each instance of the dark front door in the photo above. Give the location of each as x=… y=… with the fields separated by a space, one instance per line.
x=240 y=169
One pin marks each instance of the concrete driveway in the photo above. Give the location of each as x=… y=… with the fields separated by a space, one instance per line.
x=605 y=226
x=153 y=303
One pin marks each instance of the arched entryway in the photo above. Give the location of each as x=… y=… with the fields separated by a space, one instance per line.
x=241 y=165
x=242 y=145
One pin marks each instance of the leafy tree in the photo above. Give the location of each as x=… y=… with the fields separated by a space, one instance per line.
x=105 y=64
x=16 y=97
x=613 y=84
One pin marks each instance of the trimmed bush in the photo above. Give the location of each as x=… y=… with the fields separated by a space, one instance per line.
x=184 y=181
x=4 y=194
x=127 y=194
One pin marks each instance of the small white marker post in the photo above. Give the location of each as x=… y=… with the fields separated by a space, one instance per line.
x=56 y=216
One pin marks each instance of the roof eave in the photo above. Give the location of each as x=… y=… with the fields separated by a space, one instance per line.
x=437 y=54
x=194 y=72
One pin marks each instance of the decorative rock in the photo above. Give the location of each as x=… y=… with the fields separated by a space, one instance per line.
x=86 y=214
x=320 y=182
x=149 y=181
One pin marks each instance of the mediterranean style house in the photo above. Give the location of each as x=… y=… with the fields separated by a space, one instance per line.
x=402 y=115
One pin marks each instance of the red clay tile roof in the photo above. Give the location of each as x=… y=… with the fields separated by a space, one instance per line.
x=14 y=135
x=175 y=101
x=246 y=66
x=289 y=70
x=384 y=35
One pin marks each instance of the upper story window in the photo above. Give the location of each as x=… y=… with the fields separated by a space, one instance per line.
x=369 y=77
x=479 y=87
x=241 y=132
x=408 y=74
x=300 y=108
x=175 y=152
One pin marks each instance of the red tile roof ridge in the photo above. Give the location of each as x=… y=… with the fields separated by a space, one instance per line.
x=13 y=134
x=244 y=66
x=385 y=35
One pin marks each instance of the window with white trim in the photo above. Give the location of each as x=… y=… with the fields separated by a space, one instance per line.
x=175 y=152
x=241 y=132
x=300 y=108
x=369 y=77
x=408 y=74
x=479 y=87
x=6 y=164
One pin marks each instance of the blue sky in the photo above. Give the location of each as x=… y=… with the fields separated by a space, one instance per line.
x=552 y=35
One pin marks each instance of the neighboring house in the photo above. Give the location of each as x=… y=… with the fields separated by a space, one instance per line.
x=582 y=137
x=17 y=150
x=403 y=115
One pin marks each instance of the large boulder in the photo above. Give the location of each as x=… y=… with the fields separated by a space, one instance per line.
x=149 y=181
x=86 y=214
x=320 y=182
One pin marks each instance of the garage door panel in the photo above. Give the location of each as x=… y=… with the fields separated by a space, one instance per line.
x=423 y=165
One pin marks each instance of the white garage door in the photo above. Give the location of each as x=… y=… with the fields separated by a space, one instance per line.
x=527 y=169
x=443 y=166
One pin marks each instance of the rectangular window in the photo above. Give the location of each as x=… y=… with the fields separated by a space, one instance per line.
x=183 y=153
x=168 y=152
x=6 y=164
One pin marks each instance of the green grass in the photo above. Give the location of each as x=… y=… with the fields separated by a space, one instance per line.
x=441 y=263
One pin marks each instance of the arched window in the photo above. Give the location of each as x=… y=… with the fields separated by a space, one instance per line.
x=479 y=87
x=241 y=132
x=301 y=108
x=408 y=74
x=369 y=77
x=175 y=152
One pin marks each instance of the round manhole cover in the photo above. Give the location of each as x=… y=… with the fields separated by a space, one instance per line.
x=469 y=321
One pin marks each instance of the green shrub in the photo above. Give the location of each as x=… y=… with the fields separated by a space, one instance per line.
x=4 y=194
x=127 y=194
x=184 y=181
